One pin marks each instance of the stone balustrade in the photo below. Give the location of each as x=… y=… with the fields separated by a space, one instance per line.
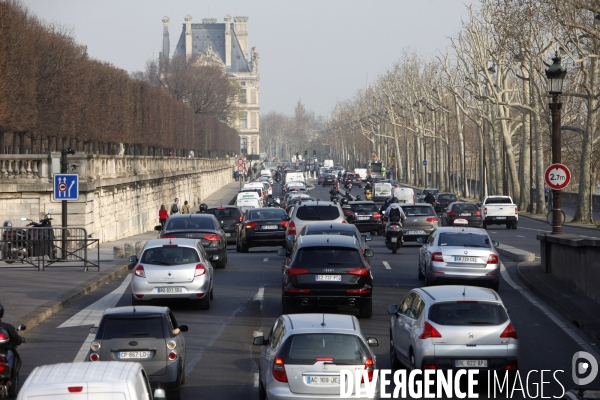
x=23 y=167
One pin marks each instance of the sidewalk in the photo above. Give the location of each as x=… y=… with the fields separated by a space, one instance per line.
x=30 y=297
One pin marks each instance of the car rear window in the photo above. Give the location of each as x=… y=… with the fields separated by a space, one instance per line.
x=170 y=256
x=190 y=223
x=502 y=200
x=418 y=211
x=366 y=208
x=467 y=313
x=129 y=327
x=266 y=214
x=319 y=257
x=463 y=239
x=224 y=213
x=304 y=349
x=330 y=232
x=465 y=207
x=447 y=197
x=318 y=213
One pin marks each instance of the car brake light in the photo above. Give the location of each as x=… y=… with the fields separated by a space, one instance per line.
x=3 y=336
x=139 y=271
x=359 y=271
x=358 y=291
x=509 y=332
x=492 y=259
x=3 y=367
x=485 y=210
x=429 y=332
x=279 y=370
x=172 y=356
x=432 y=219
x=478 y=213
x=429 y=366
x=240 y=218
x=344 y=221
x=512 y=365
x=516 y=210
x=200 y=270
x=221 y=208
x=297 y=271
x=251 y=225
x=75 y=389
x=437 y=256
x=212 y=237
x=291 y=228
x=168 y=237
x=452 y=213
x=284 y=224
x=370 y=367
x=377 y=216
x=324 y=359
x=94 y=357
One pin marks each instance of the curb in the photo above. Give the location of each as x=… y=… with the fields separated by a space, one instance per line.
x=560 y=302
x=49 y=308
x=515 y=254
x=593 y=228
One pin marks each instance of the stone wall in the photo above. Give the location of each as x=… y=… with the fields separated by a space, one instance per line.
x=119 y=195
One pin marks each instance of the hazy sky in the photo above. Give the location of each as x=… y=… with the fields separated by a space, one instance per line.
x=319 y=51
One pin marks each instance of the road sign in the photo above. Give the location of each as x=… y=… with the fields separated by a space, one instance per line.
x=425 y=162
x=557 y=176
x=240 y=161
x=66 y=187
x=241 y=168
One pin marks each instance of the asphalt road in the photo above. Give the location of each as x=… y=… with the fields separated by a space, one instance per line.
x=223 y=364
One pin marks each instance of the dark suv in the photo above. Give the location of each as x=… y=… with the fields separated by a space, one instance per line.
x=327 y=270
x=355 y=179
x=229 y=217
x=366 y=216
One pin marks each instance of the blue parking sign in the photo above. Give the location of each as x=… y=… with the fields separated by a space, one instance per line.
x=425 y=162
x=66 y=187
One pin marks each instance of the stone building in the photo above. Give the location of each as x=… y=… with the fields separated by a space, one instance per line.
x=226 y=45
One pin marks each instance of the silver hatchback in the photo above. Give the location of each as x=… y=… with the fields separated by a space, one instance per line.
x=304 y=355
x=312 y=211
x=453 y=327
x=421 y=220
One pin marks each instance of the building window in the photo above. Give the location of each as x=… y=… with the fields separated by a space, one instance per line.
x=244 y=146
x=243 y=83
x=244 y=120
x=243 y=97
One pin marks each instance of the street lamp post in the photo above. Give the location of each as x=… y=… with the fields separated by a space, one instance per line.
x=556 y=74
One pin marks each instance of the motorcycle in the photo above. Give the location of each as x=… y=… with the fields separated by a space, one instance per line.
x=40 y=242
x=349 y=185
x=9 y=377
x=393 y=236
x=13 y=243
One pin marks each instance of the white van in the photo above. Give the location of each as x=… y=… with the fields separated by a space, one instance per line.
x=382 y=191
x=362 y=172
x=245 y=204
x=294 y=177
x=265 y=172
x=248 y=196
x=404 y=195
x=88 y=381
x=328 y=163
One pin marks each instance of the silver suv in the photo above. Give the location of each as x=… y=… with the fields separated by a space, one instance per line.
x=313 y=211
x=304 y=354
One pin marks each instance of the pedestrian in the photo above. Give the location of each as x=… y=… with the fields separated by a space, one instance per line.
x=175 y=207
x=163 y=215
x=186 y=208
x=236 y=175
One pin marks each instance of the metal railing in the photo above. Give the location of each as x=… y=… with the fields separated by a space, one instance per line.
x=42 y=248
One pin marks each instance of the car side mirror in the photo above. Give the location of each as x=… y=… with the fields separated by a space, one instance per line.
x=94 y=330
x=393 y=309
x=496 y=244
x=372 y=342
x=285 y=217
x=133 y=259
x=259 y=341
x=21 y=327
x=420 y=240
x=158 y=228
x=369 y=253
x=282 y=252
x=183 y=328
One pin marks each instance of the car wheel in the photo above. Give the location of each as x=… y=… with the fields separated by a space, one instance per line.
x=221 y=263
x=508 y=226
x=421 y=276
x=366 y=310
x=395 y=364
x=287 y=307
x=204 y=304
x=135 y=301
x=428 y=282
x=175 y=394
x=484 y=225
x=374 y=233
x=237 y=246
x=182 y=377
x=212 y=292
x=13 y=389
x=495 y=285
x=244 y=247
x=394 y=249
x=514 y=225
x=262 y=392
x=413 y=365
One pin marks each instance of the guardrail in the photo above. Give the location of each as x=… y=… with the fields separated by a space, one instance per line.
x=43 y=248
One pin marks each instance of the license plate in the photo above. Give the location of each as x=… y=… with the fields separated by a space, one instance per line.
x=362 y=218
x=331 y=278
x=170 y=290
x=228 y=234
x=270 y=226
x=134 y=354
x=394 y=239
x=500 y=217
x=415 y=232
x=322 y=380
x=465 y=214
x=471 y=363
x=465 y=259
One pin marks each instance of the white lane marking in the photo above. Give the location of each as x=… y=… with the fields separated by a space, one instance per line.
x=266 y=259
x=256 y=378
x=260 y=295
x=520 y=236
x=386 y=265
x=91 y=314
x=257 y=333
x=533 y=229
x=567 y=329
x=85 y=347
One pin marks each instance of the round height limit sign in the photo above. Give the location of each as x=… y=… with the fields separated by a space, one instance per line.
x=557 y=176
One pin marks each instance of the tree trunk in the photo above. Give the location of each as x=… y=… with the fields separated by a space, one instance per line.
x=461 y=148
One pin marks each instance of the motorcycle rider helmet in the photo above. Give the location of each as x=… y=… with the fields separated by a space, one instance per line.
x=394 y=200
x=1 y=311
x=203 y=207
x=7 y=224
x=358 y=198
x=344 y=201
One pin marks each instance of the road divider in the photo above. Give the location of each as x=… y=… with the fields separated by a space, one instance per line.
x=515 y=254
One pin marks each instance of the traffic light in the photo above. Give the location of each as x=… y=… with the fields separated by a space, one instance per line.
x=314 y=154
x=305 y=153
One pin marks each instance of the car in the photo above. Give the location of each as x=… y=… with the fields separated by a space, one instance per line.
x=395 y=184
x=366 y=216
x=421 y=195
x=204 y=227
x=463 y=210
x=328 y=228
x=304 y=354
x=172 y=269
x=329 y=179
x=327 y=270
x=355 y=179
x=148 y=335
x=229 y=217
x=382 y=191
x=421 y=220
x=453 y=327
x=459 y=253
x=308 y=212
x=261 y=227
x=442 y=200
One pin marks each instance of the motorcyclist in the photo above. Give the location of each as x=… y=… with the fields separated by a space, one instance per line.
x=385 y=206
x=430 y=198
x=394 y=216
x=368 y=186
x=334 y=192
x=203 y=208
x=15 y=339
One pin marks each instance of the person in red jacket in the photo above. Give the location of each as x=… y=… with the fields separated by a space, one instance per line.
x=163 y=214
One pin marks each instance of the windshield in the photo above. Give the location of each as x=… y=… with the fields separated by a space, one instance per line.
x=128 y=327
x=322 y=257
x=450 y=197
x=172 y=255
x=227 y=213
x=364 y=208
x=189 y=223
x=463 y=239
x=467 y=313
x=306 y=348
x=418 y=211
x=318 y=213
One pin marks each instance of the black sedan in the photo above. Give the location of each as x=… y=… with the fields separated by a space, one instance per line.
x=366 y=216
x=204 y=227
x=463 y=210
x=261 y=227
x=329 y=179
x=442 y=201
x=327 y=270
x=355 y=179
x=229 y=217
